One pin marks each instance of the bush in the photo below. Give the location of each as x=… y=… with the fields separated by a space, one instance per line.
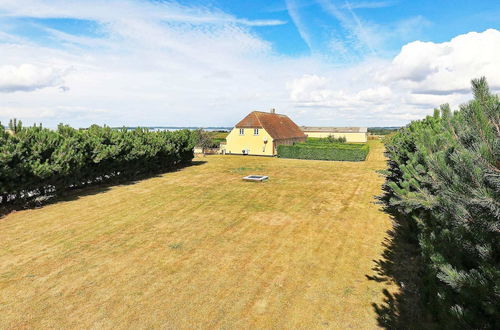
x=324 y=151
x=328 y=140
x=36 y=161
x=207 y=139
x=443 y=179
x=382 y=130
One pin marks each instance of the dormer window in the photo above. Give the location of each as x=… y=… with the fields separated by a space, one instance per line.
x=255 y=131
x=242 y=131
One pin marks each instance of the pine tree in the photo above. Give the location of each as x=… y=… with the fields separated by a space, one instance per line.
x=15 y=126
x=443 y=176
x=35 y=161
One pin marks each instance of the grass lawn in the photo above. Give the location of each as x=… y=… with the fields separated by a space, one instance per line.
x=200 y=248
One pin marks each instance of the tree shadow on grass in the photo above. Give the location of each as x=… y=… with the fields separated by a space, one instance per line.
x=72 y=194
x=401 y=263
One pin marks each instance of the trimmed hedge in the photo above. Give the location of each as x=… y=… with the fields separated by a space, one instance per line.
x=36 y=161
x=320 y=150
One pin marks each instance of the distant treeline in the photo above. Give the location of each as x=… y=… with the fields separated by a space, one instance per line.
x=443 y=180
x=177 y=128
x=382 y=130
x=36 y=161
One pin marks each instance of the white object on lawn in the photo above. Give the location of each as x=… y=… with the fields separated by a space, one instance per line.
x=256 y=178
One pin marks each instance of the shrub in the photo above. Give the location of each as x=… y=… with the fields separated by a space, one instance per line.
x=341 y=139
x=207 y=139
x=382 y=130
x=328 y=140
x=322 y=151
x=36 y=161
x=443 y=178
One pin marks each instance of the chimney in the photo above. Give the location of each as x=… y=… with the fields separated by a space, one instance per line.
x=273 y=110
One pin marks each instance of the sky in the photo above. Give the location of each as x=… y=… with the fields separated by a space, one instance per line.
x=209 y=63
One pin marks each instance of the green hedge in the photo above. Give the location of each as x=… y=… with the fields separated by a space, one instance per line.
x=36 y=161
x=323 y=151
x=314 y=140
x=443 y=180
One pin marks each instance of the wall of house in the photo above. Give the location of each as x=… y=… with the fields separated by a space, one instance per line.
x=350 y=137
x=236 y=143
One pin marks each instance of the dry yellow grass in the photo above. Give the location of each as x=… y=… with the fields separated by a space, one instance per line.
x=200 y=248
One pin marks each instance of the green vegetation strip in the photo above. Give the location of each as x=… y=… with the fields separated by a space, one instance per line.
x=319 y=149
x=36 y=161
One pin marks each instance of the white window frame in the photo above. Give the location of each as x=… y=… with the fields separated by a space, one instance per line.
x=242 y=131
x=255 y=131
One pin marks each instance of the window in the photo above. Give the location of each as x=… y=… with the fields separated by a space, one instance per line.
x=242 y=131
x=255 y=131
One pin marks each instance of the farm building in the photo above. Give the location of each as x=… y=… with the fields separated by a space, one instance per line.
x=352 y=134
x=259 y=133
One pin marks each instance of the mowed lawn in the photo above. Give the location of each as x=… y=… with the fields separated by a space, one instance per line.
x=200 y=248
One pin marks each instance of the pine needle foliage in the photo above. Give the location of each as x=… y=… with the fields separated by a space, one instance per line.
x=36 y=161
x=444 y=177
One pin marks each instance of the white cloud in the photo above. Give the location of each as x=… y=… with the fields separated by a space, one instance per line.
x=422 y=76
x=316 y=91
x=158 y=64
x=293 y=11
x=308 y=87
x=445 y=68
x=144 y=69
x=368 y=4
x=28 y=77
x=112 y=10
x=376 y=95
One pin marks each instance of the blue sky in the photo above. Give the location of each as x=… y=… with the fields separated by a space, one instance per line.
x=437 y=20
x=323 y=62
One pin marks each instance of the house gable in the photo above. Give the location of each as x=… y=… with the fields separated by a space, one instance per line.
x=279 y=127
x=273 y=130
x=256 y=144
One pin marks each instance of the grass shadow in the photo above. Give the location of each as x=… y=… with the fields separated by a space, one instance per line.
x=401 y=263
x=87 y=190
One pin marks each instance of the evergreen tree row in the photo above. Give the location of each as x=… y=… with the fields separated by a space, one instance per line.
x=36 y=161
x=443 y=178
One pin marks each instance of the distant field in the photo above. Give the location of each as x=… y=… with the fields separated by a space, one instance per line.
x=200 y=248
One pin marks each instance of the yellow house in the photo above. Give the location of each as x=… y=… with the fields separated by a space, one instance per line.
x=260 y=133
x=351 y=134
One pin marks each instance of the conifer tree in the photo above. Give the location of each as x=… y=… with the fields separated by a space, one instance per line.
x=36 y=161
x=443 y=177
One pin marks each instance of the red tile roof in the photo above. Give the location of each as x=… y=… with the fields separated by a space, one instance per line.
x=278 y=126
